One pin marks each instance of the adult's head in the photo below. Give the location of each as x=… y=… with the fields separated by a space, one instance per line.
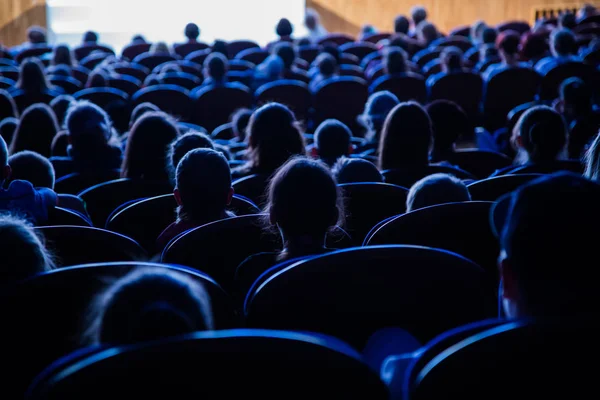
x=576 y=98
x=563 y=43
x=545 y=229
x=271 y=68
x=89 y=128
x=149 y=304
x=160 y=48
x=36 y=35
x=452 y=59
x=311 y=19
x=140 y=110
x=304 y=201
x=332 y=141
x=508 y=44
x=356 y=170
x=427 y=33
x=284 y=28
x=30 y=166
x=401 y=25
x=183 y=145
x=60 y=105
x=62 y=56
x=394 y=61
x=31 y=76
x=36 y=130
x=376 y=110
x=8 y=127
x=240 y=121
x=220 y=46
x=287 y=53
x=8 y=108
x=540 y=135
x=24 y=253
x=203 y=186
x=476 y=32
x=273 y=136
x=449 y=123
x=436 y=189
x=90 y=37
x=326 y=64
x=406 y=138
x=216 y=66
x=97 y=79
x=147 y=147
x=534 y=46
x=418 y=14
x=567 y=21
x=192 y=32
x=489 y=36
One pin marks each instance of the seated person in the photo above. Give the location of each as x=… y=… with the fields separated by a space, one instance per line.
x=401 y=25
x=436 y=189
x=268 y=71
x=534 y=48
x=487 y=37
x=508 y=44
x=489 y=56
x=567 y=21
x=192 y=32
x=394 y=61
x=149 y=304
x=185 y=143
x=452 y=63
x=328 y=68
x=160 y=48
x=373 y=117
x=418 y=15
x=332 y=141
x=563 y=45
x=328 y=48
x=304 y=204
x=427 y=33
x=36 y=36
x=240 y=121
x=450 y=123
x=576 y=105
x=202 y=190
x=284 y=31
x=366 y=31
x=215 y=70
x=316 y=31
x=287 y=53
x=356 y=170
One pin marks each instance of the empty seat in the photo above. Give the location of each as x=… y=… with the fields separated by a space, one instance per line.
x=341 y=98
x=171 y=99
x=464 y=89
x=480 y=163
x=294 y=94
x=408 y=177
x=406 y=87
x=492 y=189
x=214 y=106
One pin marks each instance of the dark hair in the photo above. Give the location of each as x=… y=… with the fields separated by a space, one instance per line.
x=60 y=143
x=399 y=42
x=452 y=58
x=543 y=134
x=216 y=66
x=326 y=64
x=332 y=140
x=147 y=147
x=377 y=108
x=36 y=130
x=97 y=79
x=240 y=120
x=90 y=37
x=577 y=97
x=418 y=14
x=449 y=123
x=333 y=50
x=149 y=304
x=304 y=200
x=356 y=170
x=273 y=137
x=427 y=32
x=592 y=160
x=36 y=35
x=192 y=31
x=138 y=38
x=203 y=179
x=60 y=105
x=8 y=127
x=140 y=110
x=3 y=154
x=563 y=42
x=8 y=108
x=436 y=189
x=284 y=28
x=220 y=46
x=509 y=42
x=30 y=166
x=401 y=24
x=62 y=56
x=406 y=137
x=31 y=76
x=489 y=35
x=534 y=46
x=286 y=52
x=395 y=61
x=567 y=21
x=89 y=127
x=183 y=145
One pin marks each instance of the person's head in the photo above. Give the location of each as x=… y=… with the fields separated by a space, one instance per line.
x=326 y=64
x=270 y=69
x=586 y=11
x=8 y=108
x=304 y=201
x=356 y=170
x=90 y=37
x=508 y=44
x=436 y=189
x=576 y=98
x=449 y=123
x=183 y=145
x=452 y=59
x=216 y=66
x=311 y=19
x=37 y=127
x=192 y=32
x=220 y=46
x=427 y=33
x=97 y=79
x=240 y=121
x=31 y=76
x=25 y=255
x=60 y=144
x=62 y=56
x=273 y=136
x=60 y=105
x=138 y=39
x=30 y=166
x=8 y=127
x=489 y=36
x=592 y=160
x=567 y=21
x=563 y=43
x=366 y=31
x=540 y=135
x=149 y=304
x=332 y=49
x=89 y=128
x=401 y=24
x=489 y=52
x=287 y=53
x=332 y=141
x=406 y=138
x=376 y=110
x=147 y=147
x=140 y=110
x=477 y=32
x=534 y=46
x=418 y=14
x=284 y=28
x=160 y=47
x=36 y=35
x=548 y=246
x=202 y=186
x=394 y=61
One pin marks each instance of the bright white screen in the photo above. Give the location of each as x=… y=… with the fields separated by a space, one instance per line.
x=164 y=20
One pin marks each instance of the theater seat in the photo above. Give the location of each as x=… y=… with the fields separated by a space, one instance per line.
x=480 y=163
x=294 y=94
x=172 y=99
x=253 y=187
x=341 y=98
x=492 y=189
x=213 y=107
x=151 y=60
x=408 y=177
x=406 y=87
x=62 y=216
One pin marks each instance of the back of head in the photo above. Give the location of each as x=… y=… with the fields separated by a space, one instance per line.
x=376 y=111
x=160 y=47
x=534 y=46
x=89 y=128
x=273 y=137
x=140 y=110
x=192 y=32
x=508 y=42
x=311 y=19
x=563 y=42
x=36 y=130
x=592 y=160
x=541 y=133
x=240 y=121
x=8 y=127
x=8 y=108
x=138 y=39
x=150 y=304
x=220 y=46
x=489 y=35
x=356 y=170
x=90 y=37
x=406 y=138
x=576 y=97
x=215 y=66
x=203 y=180
x=304 y=199
x=32 y=167
x=401 y=24
x=287 y=53
x=60 y=105
x=327 y=64
x=449 y=123
x=147 y=147
x=395 y=61
x=418 y=14
x=31 y=76
x=97 y=79
x=452 y=59
x=332 y=49
x=332 y=140
x=436 y=189
x=184 y=144
x=427 y=32
x=36 y=35
x=567 y=21
x=284 y=28
x=62 y=56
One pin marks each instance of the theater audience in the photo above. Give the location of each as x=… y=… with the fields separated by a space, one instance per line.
x=563 y=45
x=36 y=130
x=332 y=141
x=31 y=167
x=436 y=189
x=376 y=110
x=356 y=170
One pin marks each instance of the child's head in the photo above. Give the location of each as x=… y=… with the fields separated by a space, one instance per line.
x=89 y=127
x=436 y=189
x=149 y=304
x=356 y=170
x=332 y=141
x=32 y=167
x=184 y=144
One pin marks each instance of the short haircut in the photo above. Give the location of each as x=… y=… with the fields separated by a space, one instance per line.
x=220 y=46
x=8 y=127
x=90 y=37
x=332 y=140
x=287 y=53
x=401 y=24
x=395 y=61
x=31 y=76
x=543 y=134
x=30 y=166
x=240 y=121
x=327 y=64
x=184 y=144
x=36 y=35
x=567 y=21
x=284 y=28
x=452 y=58
x=140 y=110
x=489 y=35
x=216 y=66
x=449 y=123
x=418 y=14
x=192 y=31
x=563 y=42
x=356 y=170
x=436 y=189
x=509 y=42
x=89 y=127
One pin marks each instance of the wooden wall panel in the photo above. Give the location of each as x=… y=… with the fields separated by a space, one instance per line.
x=18 y=15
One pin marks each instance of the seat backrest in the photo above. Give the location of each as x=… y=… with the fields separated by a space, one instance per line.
x=133 y=50
x=406 y=87
x=75 y=183
x=463 y=43
x=254 y=55
x=63 y=216
x=555 y=77
x=309 y=53
x=66 y=83
x=341 y=98
x=6 y=83
x=576 y=166
x=172 y=99
x=480 y=163
x=86 y=49
x=183 y=79
x=492 y=189
x=408 y=177
x=125 y=83
x=184 y=49
x=351 y=294
x=377 y=37
x=90 y=62
x=425 y=57
x=338 y=39
x=135 y=70
x=198 y=56
x=237 y=46
x=103 y=97
x=520 y=26
x=23 y=99
x=265 y=364
x=151 y=60
x=294 y=94
x=33 y=51
x=214 y=106
x=240 y=65
x=223 y=132
x=359 y=49
x=464 y=89
x=252 y=187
